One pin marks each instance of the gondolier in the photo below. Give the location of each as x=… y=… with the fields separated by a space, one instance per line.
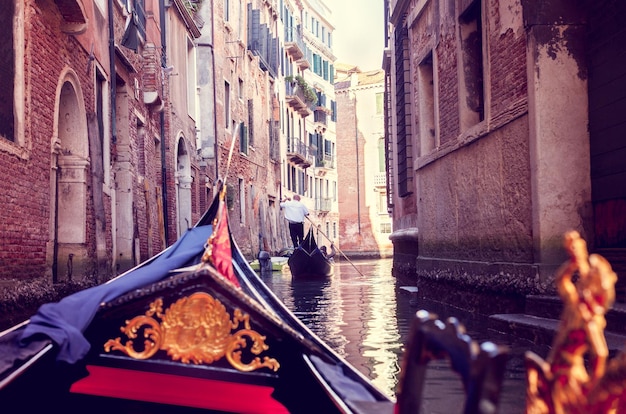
x=295 y=212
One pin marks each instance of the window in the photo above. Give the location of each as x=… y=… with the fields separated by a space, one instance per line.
x=243 y=138
x=426 y=115
x=317 y=64
x=403 y=111
x=226 y=10
x=382 y=202
x=471 y=90
x=7 y=68
x=379 y=103
x=328 y=148
x=301 y=182
x=141 y=137
x=102 y=91
x=242 y=202
x=385 y=228
x=240 y=88
x=227 y=105
x=191 y=79
x=251 y=122
x=381 y=154
x=140 y=11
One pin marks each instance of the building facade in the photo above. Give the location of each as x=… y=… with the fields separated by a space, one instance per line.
x=245 y=52
x=308 y=116
x=365 y=224
x=90 y=140
x=131 y=113
x=503 y=128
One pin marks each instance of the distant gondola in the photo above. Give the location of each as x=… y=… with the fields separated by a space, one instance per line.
x=308 y=261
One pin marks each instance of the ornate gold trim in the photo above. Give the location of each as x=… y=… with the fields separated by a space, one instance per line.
x=195 y=329
x=564 y=382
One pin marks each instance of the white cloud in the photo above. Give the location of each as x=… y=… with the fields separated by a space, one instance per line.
x=359 y=32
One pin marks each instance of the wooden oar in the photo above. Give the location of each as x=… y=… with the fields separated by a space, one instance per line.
x=331 y=242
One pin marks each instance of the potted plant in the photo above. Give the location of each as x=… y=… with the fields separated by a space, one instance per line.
x=309 y=93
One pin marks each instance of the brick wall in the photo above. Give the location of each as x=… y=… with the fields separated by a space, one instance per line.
x=25 y=170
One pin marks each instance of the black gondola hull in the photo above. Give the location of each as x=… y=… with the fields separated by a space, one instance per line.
x=175 y=335
x=308 y=262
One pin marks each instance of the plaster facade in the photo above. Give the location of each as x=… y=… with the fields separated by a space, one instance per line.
x=365 y=223
x=491 y=146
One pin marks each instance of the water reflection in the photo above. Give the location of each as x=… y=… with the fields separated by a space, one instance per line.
x=364 y=315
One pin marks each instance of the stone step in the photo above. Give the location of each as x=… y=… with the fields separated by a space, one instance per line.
x=617 y=258
x=551 y=307
x=541 y=331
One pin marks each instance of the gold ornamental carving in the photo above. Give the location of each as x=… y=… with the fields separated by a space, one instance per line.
x=564 y=382
x=195 y=329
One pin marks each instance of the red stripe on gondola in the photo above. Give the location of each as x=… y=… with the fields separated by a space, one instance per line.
x=178 y=390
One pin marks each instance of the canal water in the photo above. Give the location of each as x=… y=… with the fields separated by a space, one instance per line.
x=365 y=315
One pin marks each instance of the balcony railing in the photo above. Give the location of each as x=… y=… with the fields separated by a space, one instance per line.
x=324 y=204
x=294 y=42
x=325 y=161
x=299 y=153
x=305 y=62
x=296 y=99
x=380 y=179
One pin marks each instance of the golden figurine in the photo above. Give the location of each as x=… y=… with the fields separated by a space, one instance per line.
x=563 y=383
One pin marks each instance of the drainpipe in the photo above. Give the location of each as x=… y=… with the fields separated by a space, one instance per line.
x=216 y=143
x=112 y=74
x=162 y=119
x=215 y=129
x=113 y=100
x=358 y=172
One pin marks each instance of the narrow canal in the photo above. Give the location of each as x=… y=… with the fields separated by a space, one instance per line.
x=365 y=315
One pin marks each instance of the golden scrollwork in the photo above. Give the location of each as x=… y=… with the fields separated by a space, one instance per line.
x=195 y=329
x=562 y=383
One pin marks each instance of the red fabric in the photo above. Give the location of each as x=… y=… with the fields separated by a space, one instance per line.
x=178 y=390
x=221 y=253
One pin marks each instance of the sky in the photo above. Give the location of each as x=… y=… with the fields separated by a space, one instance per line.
x=358 y=38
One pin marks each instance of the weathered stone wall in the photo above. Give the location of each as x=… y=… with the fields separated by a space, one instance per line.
x=476 y=203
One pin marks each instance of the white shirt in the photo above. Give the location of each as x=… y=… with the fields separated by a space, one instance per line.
x=295 y=211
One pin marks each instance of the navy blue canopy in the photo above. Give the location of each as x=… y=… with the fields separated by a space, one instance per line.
x=65 y=321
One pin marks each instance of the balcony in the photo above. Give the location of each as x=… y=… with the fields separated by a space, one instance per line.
x=380 y=179
x=323 y=204
x=294 y=42
x=305 y=62
x=295 y=97
x=325 y=161
x=298 y=153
